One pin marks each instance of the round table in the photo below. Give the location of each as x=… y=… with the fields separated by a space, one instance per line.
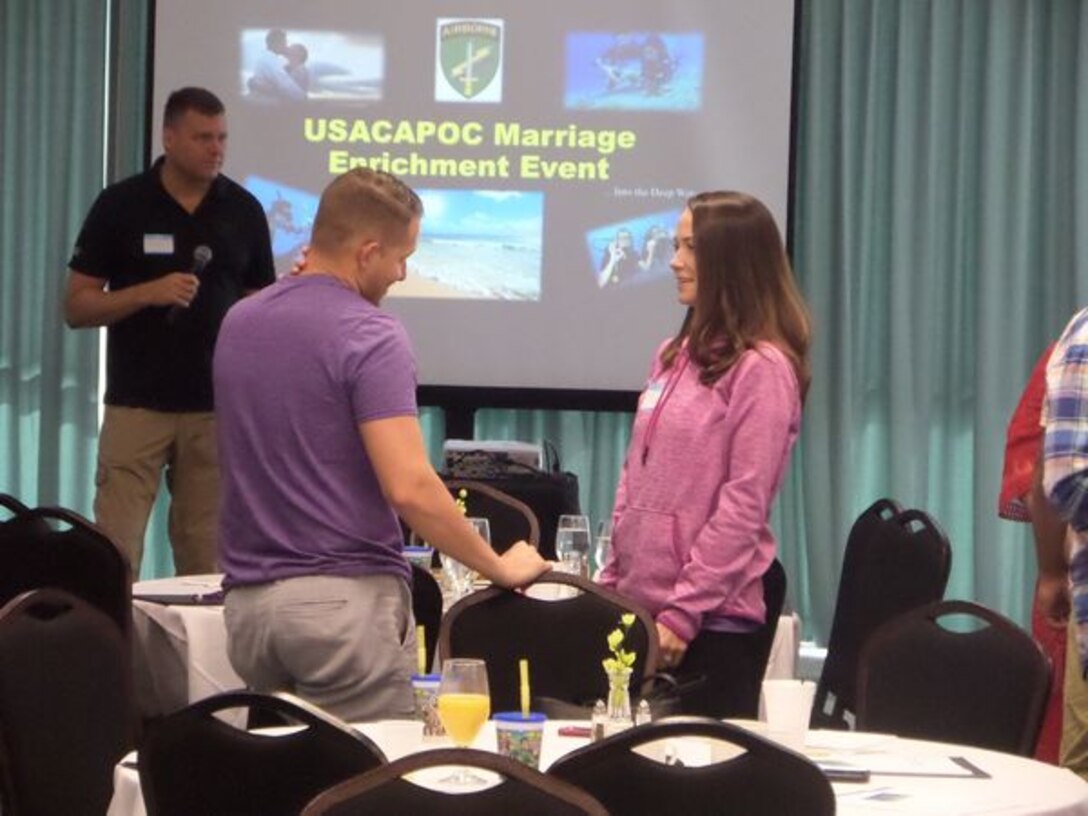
x=908 y=775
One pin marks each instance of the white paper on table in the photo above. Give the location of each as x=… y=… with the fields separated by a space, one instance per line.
x=924 y=765
x=922 y=801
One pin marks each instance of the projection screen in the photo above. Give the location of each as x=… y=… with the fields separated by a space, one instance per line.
x=553 y=145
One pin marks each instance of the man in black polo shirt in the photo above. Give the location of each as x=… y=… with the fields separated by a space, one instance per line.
x=161 y=257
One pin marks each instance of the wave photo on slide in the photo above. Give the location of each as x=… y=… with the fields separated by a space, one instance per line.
x=477 y=244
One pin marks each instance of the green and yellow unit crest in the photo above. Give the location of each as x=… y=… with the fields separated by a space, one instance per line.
x=470 y=56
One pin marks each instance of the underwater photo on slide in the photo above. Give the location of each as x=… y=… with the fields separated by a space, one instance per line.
x=280 y=66
x=632 y=252
x=478 y=244
x=634 y=71
x=290 y=212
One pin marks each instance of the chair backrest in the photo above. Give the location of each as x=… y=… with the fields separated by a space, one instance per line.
x=191 y=761
x=66 y=711
x=427 y=607
x=55 y=547
x=521 y=790
x=895 y=560
x=12 y=505
x=564 y=640
x=774 y=598
x=762 y=780
x=510 y=519
x=14 y=517
x=984 y=687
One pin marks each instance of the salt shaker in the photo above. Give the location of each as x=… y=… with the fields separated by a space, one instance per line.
x=597 y=720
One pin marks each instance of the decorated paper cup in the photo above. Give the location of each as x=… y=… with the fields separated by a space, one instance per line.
x=419 y=555
x=425 y=694
x=519 y=736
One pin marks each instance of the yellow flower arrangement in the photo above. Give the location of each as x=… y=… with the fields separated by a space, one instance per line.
x=621 y=658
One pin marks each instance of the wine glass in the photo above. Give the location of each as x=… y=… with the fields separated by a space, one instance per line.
x=482 y=527
x=464 y=704
x=572 y=544
x=457 y=577
x=602 y=545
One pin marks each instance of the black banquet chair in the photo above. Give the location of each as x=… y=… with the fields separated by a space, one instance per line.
x=986 y=686
x=427 y=608
x=191 y=761
x=55 y=547
x=13 y=515
x=521 y=790
x=564 y=639
x=66 y=712
x=895 y=560
x=510 y=519
x=759 y=778
x=12 y=506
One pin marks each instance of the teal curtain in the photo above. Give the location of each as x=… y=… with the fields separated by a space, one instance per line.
x=127 y=154
x=940 y=182
x=52 y=99
x=939 y=235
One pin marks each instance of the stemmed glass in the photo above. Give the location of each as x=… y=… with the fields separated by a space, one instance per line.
x=464 y=704
x=572 y=544
x=602 y=546
x=458 y=577
x=482 y=527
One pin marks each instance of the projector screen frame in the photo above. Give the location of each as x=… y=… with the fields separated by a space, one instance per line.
x=460 y=402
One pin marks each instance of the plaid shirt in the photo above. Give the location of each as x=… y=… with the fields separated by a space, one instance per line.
x=1065 y=455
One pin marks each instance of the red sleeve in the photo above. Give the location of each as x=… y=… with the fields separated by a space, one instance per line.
x=1022 y=441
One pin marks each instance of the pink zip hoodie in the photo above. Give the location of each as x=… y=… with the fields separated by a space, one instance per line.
x=691 y=538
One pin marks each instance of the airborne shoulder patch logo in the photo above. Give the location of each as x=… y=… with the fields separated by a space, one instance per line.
x=468 y=60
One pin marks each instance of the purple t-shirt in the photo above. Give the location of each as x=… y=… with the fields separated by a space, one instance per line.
x=297 y=367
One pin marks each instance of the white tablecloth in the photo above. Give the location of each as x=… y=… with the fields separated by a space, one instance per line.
x=181 y=650
x=1016 y=787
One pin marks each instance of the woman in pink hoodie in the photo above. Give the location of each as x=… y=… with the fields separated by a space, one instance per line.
x=709 y=449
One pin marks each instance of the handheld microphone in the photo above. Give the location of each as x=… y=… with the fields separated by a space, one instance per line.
x=202 y=256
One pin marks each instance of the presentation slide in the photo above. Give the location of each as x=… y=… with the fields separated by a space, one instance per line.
x=553 y=145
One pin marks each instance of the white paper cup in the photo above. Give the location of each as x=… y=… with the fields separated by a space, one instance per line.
x=788 y=707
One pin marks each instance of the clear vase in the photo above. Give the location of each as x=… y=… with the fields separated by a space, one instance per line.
x=619 y=697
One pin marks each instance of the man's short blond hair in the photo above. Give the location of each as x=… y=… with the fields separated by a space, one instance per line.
x=363 y=199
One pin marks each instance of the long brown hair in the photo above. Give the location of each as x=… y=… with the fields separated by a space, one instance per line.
x=745 y=291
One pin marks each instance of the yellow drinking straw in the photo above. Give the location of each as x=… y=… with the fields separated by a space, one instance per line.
x=523 y=670
x=421 y=650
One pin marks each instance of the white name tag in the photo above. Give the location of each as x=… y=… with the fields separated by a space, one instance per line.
x=650 y=397
x=155 y=244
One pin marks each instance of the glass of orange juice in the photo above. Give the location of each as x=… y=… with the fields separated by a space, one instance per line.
x=464 y=704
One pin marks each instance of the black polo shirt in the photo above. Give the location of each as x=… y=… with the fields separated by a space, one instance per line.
x=136 y=232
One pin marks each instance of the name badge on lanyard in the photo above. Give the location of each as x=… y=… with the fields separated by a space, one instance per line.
x=651 y=396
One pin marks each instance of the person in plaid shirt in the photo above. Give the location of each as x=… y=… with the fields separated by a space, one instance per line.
x=1065 y=481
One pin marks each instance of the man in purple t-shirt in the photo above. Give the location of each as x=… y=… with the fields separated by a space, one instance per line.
x=320 y=450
